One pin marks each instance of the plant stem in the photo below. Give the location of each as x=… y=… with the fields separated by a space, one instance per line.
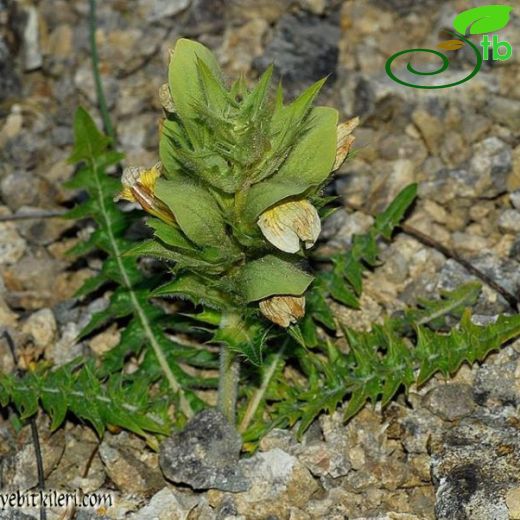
x=255 y=401
x=102 y=102
x=229 y=371
x=228 y=383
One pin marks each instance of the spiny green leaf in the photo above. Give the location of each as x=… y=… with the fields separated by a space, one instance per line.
x=216 y=97
x=269 y=276
x=309 y=163
x=195 y=288
x=155 y=249
x=318 y=307
x=185 y=85
x=446 y=352
x=121 y=305
x=288 y=119
x=172 y=138
x=386 y=221
x=89 y=141
x=257 y=99
x=170 y=235
x=434 y=312
x=245 y=338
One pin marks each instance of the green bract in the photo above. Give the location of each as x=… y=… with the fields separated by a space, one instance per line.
x=228 y=154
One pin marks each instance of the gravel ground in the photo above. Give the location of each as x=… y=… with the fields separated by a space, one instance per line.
x=449 y=450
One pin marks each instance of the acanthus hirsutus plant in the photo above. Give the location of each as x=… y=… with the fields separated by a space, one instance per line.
x=234 y=207
x=234 y=200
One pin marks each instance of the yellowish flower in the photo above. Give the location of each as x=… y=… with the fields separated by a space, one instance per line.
x=285 y=224
x=345 y=140
x=283 y=310
x=139 y=186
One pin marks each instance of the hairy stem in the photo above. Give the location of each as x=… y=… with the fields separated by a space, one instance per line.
x=229 y=372
x=102 y=102
x=228 y=383
x=255 y=401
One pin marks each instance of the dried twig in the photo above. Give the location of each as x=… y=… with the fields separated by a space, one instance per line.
x=34 y=428
x=90 y=460
x=430 y=242
x=39 y=462
x=446 y=251
x=39 y=214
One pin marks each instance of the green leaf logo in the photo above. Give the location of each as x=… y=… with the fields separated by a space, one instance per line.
x=484 y=19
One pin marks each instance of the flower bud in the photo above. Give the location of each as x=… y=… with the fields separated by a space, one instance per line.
x=139 y=186
x=283 y=310
x=345 y=140
x=287 y=223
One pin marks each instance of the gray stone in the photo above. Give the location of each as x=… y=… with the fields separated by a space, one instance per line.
x=509 y=221
x=66 y=311
x=9 y=74
x=31 y=44
x=31 y=282
x=505 y=111
x=204 y=17
x=20 y=189
x=418 y=428
x=12 y=245
x=485 y=175
x=315 y=6
x=18 y=470
x=81 y=444
x=468 y=242
x=451 y=401
x=129 y=465
x=84 y=82
x=83 y=514
x=492 y=158
x=304 y=49
x=41 y=231
x=155 y=10
x=15 y=514
x=515 y=199
x=205 y=454
x=167 y=504
x=343 y=226
x=496 y=383
x=279 y=483
x=474 y=465
x=67 y=347
x=505 y=271
x=41 y=326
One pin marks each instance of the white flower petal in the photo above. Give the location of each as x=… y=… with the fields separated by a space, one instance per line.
x=281 y=236
x=287 y=223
